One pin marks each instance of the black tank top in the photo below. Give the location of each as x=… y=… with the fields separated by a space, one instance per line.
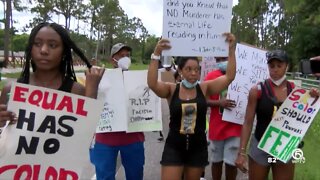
x=266 y=106
x=188 y=116
x=188 y=122
x=66 y=85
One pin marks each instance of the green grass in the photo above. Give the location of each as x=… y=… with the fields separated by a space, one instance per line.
x=134 y=66
x=309 y=170
x=2 y=83
x=11 y=75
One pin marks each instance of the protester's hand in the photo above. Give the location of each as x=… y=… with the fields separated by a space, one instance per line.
x=227 y=103
x=6 y=115
x=314 y=92
x=241 y=163
x=316 y=58
x=163 y=44
x=231 y=39
x=93 y=76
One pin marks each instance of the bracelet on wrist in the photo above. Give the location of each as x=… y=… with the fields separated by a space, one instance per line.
x=155 y=57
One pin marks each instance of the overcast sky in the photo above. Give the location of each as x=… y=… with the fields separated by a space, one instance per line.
x=149 y=11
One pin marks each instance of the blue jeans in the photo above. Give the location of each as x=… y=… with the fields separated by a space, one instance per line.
x=104 y=158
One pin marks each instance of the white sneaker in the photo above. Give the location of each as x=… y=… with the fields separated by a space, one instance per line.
x=202 y=178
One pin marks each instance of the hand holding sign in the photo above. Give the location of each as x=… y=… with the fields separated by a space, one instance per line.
x=231 y=39
x=93 y=78
x=314 y=92
x=6 y=115
x=227 y=103
x=163 y=44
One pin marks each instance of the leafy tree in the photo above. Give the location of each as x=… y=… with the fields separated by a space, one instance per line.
x=20 y=42
x=68 y=9
x=150 y=44
x=43 y=10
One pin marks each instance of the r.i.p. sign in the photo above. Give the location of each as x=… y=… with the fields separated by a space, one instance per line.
x=289 y=124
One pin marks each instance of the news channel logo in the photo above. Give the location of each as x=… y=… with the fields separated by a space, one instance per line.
x=297 y=156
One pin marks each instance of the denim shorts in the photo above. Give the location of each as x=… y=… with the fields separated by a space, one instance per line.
x=224 y=150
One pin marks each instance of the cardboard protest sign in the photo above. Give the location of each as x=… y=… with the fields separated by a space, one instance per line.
x=289 y=124
x=195 y=28
x=144 y=107
x=52 y=136
x=208 y=64
x=111 y=89
x=251 y=68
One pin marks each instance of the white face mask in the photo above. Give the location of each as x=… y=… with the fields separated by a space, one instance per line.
x=124 y=63
x=279 y=81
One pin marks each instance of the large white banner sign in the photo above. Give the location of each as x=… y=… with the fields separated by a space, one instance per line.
x=289 y=125
x=52 y=136
x=195 y=27
x=111 y=90
x=251 y=68
x=144 y=107
x=129 y=104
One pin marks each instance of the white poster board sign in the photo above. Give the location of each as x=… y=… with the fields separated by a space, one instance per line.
x=208 y=64
x=251 y=68
x=144 y=107
x=52 y=136
x=195 y=28
x=111 y=89
x=289 y=125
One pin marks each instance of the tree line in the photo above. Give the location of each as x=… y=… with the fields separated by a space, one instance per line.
x=106 y=20
x=291 y=25
x=269 y=24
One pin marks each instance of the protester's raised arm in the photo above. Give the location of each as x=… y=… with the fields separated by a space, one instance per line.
x=160 y=88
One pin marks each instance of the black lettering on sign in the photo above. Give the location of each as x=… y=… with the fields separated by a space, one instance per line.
x=172 y=3
x=187 y=4
x=172 y=13
x=220 y=5
x=23 y=145
x=51 y=146
x=23 y=119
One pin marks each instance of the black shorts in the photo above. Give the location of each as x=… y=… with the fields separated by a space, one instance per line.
x=177 y=155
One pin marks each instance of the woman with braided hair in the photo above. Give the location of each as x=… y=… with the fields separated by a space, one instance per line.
x=49 y=51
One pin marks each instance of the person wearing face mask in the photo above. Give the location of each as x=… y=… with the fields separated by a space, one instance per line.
x=185 y=151
x=224 y=136
x=108 y=145
x=120 y=56
x=264 y=100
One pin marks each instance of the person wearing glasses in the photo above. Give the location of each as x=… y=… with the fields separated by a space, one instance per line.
x=264 y=99
x=185 y=151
